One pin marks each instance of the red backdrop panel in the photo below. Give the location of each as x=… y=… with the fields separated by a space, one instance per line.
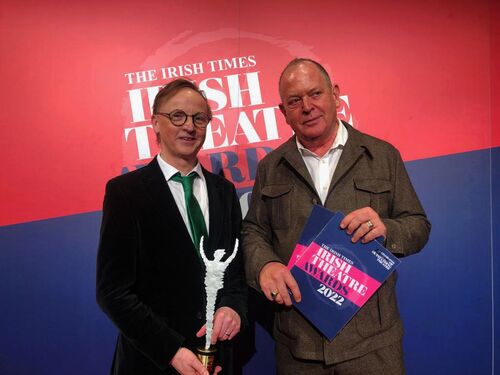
x=77 y=77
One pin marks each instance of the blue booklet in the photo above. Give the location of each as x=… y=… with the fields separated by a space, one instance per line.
x=318 y=218
x=336 y=277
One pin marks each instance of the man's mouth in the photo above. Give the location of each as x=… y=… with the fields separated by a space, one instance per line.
x=311 y=121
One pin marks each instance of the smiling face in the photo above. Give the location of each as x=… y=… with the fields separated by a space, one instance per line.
x=180 y=144
x=309 y=104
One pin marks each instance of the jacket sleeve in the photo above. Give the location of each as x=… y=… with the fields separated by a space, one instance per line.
x=116 y=281
x=257 y=234
x=407 y=225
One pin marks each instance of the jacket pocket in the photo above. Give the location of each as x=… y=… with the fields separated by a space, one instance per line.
x=380 y=312
x=278 y=200
x=374 y=193
x=368 y=318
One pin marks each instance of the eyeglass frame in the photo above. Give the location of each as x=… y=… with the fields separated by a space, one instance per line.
x=168 y=115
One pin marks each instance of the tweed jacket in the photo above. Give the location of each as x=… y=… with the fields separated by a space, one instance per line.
x=370 y=173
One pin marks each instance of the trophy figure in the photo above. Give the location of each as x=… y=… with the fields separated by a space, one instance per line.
x=214 y=280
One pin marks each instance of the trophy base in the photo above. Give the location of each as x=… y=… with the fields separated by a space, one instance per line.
x=207 y=357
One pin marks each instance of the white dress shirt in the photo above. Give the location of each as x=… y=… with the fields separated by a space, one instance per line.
x=199 y=191
x=322 y=168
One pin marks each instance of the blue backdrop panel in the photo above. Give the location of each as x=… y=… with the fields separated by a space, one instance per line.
x=50 y=323
x=445 y=291
x=495 y=230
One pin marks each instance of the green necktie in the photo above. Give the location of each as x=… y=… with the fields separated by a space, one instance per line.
x=195 y=215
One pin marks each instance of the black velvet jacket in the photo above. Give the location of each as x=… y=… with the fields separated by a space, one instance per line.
x=150 y=278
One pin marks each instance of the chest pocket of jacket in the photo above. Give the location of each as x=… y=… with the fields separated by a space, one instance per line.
x=278 y=201
x=374 y=193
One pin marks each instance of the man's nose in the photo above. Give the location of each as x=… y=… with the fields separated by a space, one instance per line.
x=306 y=105
x=189 y=124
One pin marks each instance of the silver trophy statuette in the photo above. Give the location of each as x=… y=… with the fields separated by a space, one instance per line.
x=214 y=280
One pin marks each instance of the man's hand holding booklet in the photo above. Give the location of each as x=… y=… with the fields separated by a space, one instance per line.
x=336 y=276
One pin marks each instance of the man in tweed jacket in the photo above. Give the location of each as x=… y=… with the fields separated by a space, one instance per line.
x=329 y=162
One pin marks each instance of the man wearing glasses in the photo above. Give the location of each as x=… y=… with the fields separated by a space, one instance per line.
x=150 y=275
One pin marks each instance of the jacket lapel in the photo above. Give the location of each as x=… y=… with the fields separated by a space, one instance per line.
x=292 y=156
x=352 y=152
x=164 y=203
x=215 y=210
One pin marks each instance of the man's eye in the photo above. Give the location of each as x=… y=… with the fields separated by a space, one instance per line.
x=201 y=118
x=316 y=94
x=179 y=116
x=293 y=102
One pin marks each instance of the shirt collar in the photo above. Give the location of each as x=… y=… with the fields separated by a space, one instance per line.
x=168 y=170
x=338 y=142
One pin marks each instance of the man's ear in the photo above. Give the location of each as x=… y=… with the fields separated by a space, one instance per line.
x=154 y=122
x=282 y=109
x=336 y=95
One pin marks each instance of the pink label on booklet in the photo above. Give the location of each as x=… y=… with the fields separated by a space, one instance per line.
x=338 y=273
x=297 y=252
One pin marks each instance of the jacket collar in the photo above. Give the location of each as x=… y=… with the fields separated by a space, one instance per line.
x=167 y=210
x=353 y=150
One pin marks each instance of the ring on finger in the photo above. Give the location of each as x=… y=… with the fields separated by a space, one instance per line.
x=370 y=225
x=227 y=333
x=274 y=294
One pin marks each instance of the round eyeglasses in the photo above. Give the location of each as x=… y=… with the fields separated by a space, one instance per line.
x=179 y=118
